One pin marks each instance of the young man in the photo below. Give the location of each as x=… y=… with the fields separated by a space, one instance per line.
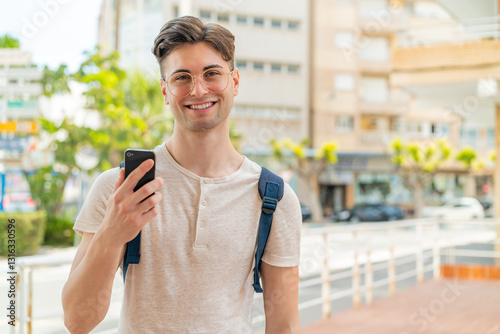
x=199 y=229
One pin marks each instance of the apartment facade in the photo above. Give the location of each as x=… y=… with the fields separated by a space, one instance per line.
x=453 y=67
x=271 y=56
x=19 y=91
x=367 y=55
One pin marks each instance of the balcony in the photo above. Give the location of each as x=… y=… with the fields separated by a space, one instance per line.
x=375 y=67
x=465 y=44
x=397 y=103
x=32 y=89
x=382 y=138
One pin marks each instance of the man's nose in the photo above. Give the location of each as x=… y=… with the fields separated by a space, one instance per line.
x=198 y=88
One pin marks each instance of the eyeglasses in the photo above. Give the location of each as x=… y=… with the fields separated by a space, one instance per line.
x=181 y=84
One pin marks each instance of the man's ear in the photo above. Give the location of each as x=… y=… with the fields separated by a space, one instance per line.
x=236 y=81
x=164 y=91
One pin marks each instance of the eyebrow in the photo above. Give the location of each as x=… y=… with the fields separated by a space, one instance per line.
x=204 y=69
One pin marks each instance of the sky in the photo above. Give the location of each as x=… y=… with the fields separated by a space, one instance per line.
x=54 y=31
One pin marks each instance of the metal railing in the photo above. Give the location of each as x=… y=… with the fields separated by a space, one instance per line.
x=330 y=254
x=404 y=242
x=450 y=32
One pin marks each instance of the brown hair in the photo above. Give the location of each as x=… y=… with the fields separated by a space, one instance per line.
x=191 y=30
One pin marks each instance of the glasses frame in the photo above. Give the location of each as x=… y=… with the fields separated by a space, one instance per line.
x=193 y=82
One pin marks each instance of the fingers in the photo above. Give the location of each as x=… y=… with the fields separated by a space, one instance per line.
x=121 y=177
x=149 y=215
x=150 y=203
x=137 y=174
x=149 y=188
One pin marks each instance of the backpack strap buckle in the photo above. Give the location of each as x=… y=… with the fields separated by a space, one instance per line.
x=269 y=204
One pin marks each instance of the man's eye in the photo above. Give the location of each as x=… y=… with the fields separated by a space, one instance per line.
x=212 y=73
x=183 y=77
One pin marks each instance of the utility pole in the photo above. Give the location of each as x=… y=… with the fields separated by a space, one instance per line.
x=117 y=24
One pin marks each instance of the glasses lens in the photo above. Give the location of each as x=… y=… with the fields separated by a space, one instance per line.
x=215 y=80
x=180 y=84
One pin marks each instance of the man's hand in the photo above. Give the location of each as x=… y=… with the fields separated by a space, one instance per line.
x=125 y=214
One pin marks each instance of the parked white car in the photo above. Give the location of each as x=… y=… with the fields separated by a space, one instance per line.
x=459 y=209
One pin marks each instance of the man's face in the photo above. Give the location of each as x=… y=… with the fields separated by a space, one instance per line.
x=215 y=107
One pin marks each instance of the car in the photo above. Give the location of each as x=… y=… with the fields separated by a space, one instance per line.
x=458 y=209
x=306 y=213
x=488 y=208
x=18 y=202
x=369 y=212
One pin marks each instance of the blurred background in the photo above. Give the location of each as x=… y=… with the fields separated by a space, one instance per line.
x=373 y=110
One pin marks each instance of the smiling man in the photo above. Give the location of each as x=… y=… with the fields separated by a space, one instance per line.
x=199 y=230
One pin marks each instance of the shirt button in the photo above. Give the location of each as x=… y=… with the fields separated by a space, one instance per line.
x=202 y=224
x=206 y=181
x=204 y=203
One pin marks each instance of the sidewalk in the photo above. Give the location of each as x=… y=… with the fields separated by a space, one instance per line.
x=445 y=306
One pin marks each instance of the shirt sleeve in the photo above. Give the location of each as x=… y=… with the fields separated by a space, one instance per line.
x=94 y=208
x=283 y=245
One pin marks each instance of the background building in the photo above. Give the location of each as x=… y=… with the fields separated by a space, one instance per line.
x=376 y=78
x=19 y=92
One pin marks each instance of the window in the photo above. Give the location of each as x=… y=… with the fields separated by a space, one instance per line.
x=344 y=123
x=397 y=124
x=440 y=129
x=377 y=49
x=344 y=81
x=275 y=67
x=276 y=24
x=258 y=21
x=258 y=66
x=293 y=69
x=369 y=9
x=205 y=14
x=374 y=89
x=491 y=138
x=223 y=17
x=240 y=19
x=13 y=81
x=345 y=2
x=293 y=25
x=344 y=39
x=472 y=136
x=241 y=65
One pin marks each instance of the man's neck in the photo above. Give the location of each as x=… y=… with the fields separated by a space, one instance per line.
x=207 y=154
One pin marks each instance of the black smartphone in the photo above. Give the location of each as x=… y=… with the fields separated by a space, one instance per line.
x=135 y=157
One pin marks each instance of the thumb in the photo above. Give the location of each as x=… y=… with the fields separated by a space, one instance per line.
x=120 y=180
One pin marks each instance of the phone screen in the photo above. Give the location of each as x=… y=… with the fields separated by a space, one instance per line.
x=133 y=158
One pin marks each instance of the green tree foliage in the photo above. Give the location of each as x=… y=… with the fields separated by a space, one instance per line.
x=55 y=81
x=469 y=159
x=416 y=164
x=467 y=156
x=307 y=164
x=8 y=42
x=131 y=114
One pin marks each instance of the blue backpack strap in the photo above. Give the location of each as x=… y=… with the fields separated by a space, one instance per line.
x=271 y=188
x=133 y=250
